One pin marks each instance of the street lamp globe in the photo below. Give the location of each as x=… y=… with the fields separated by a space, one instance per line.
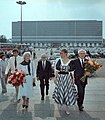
x=21 y=2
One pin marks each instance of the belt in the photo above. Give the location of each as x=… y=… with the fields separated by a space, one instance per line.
x=63 y=72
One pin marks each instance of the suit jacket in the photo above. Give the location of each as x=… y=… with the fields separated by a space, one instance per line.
x=44 y=73
x=78 y=72
x=3 y=64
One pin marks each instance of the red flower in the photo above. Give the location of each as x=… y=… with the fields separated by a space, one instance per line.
x=90 y=66
x=17 y=78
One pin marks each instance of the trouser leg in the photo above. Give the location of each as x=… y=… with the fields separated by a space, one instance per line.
x=42 y=87
x=47 y=86
x=83 y=87
x=3 y=85
x=81 y=93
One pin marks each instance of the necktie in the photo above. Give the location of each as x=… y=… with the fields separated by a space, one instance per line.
x=82 y=63
x=15 y=62
x=43 y=64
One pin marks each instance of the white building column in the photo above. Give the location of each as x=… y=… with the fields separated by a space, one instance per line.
x=84 y=45
x=66 y=44
x=40 y=44
x=97 y=44
x=36 y=44
x=45 y=44
x=62 y=44
x=88 y=44
x=93 y=45
x=75 y=44
x=79 y=44
x=70 y=44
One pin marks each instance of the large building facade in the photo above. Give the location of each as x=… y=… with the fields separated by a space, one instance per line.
x=79 y=33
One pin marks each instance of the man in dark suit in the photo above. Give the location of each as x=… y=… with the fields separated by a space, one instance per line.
x=44 y=73
x=78 y=73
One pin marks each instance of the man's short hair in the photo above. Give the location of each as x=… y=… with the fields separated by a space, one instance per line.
x=81 y=50
x=2 y=55
x=15 y=50
x=43 y=55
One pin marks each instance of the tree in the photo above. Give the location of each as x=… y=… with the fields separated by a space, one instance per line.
x=3 y=39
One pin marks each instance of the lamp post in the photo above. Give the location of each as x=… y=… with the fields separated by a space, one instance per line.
x=21 y=3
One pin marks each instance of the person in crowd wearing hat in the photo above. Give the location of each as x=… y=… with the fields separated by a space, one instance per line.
x=13 y=64
x=3 y=64
x=44 y=73
x=79 y=69
x=26 y=90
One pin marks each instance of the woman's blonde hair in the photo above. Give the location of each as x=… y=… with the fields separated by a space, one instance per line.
x=26 y=53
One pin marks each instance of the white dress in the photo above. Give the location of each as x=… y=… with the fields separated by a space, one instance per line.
x=27 y=88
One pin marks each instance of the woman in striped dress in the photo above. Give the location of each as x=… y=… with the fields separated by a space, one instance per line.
x=65 y=92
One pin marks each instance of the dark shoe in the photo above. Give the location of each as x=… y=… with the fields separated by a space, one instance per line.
x=46 y=92
x=42 y=98
x=26 y=106
x=23 y=106
x=34 y=84
x=27 y=103
x=81 y=108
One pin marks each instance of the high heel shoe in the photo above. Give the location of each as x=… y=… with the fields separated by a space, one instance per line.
x=23 y=106
x=27 y=103
x=26 y=106
x=67 y=110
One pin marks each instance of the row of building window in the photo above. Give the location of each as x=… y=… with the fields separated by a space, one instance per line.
x=64 y=44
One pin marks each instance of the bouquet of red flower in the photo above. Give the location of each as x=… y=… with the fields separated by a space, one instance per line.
x=17 y=78
x=90 y=66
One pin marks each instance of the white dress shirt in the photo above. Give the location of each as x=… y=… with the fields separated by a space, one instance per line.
x=44 y=64
x=11 y=65
x=81 y=61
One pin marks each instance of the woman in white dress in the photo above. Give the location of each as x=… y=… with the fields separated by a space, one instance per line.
x=26 y=90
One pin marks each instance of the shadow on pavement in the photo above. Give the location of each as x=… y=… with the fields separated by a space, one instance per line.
x=44 y=109
x=3 y=98
x=11 y=113
x=75 y=115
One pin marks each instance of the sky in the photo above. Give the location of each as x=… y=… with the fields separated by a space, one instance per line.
x=50 y=10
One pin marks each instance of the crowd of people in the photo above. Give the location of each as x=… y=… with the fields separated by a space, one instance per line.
x=67 y=76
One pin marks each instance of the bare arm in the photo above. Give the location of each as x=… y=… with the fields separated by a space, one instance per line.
x=56 y=74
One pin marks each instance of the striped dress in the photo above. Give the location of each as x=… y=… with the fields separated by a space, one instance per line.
x=65 y=91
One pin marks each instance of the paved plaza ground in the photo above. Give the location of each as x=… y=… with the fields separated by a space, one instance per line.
x=94 y=104
x=48 y=110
